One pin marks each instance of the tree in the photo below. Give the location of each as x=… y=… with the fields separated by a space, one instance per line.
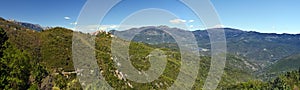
x=15 y=69
x=3 y=39
x=299 y=71
x=14 y=65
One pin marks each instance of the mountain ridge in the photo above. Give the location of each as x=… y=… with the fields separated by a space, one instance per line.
x=51 y=51
x=31 y=26
x=262 y=48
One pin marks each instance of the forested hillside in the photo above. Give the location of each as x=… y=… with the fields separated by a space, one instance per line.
x=43 y=60
x=288 y=81
x=260 y=48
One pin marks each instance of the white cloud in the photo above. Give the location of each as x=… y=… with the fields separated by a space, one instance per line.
x=190 y=21
x=93 y=28
x=114 y=26
x=177 y=21
x=218 y=26
x=87 y=28
x=74 y=23
x=67 y=18
x=108 y=27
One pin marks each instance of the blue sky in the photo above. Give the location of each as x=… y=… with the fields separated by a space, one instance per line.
x=276 y=16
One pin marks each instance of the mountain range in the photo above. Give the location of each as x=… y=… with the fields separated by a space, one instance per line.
x=263 y=49
x=251 y=56
x=30 y=26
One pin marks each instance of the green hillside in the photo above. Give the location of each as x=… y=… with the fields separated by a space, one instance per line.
x=38 y=60
x=56 y=48
x=284 y=65
x=261 y=48
x=287 y=81
x=234 y=72
x=287 y=64
x=19 y=68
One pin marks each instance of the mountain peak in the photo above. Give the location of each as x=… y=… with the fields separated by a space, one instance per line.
x=35 y=27
x=31 y=26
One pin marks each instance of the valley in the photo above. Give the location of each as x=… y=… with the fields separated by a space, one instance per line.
x=46 y=57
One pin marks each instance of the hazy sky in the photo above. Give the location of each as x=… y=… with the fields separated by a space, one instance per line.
x=277 y=16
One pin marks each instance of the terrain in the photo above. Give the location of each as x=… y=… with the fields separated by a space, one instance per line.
x=263 y=49
x=40 y=59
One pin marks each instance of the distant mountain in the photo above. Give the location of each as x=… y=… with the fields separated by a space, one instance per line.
x=261 y=48
x=31 y=26
x=149 y=35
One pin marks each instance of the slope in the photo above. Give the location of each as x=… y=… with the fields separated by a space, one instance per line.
x=286 y=64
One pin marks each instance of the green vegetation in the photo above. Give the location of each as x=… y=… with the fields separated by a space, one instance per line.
x=24 y=65
x=36 y=61
x=17 y=72
x=56 y=48
x=3 y=39
x=287 y=81
x=15 y=68
x=286 y=64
